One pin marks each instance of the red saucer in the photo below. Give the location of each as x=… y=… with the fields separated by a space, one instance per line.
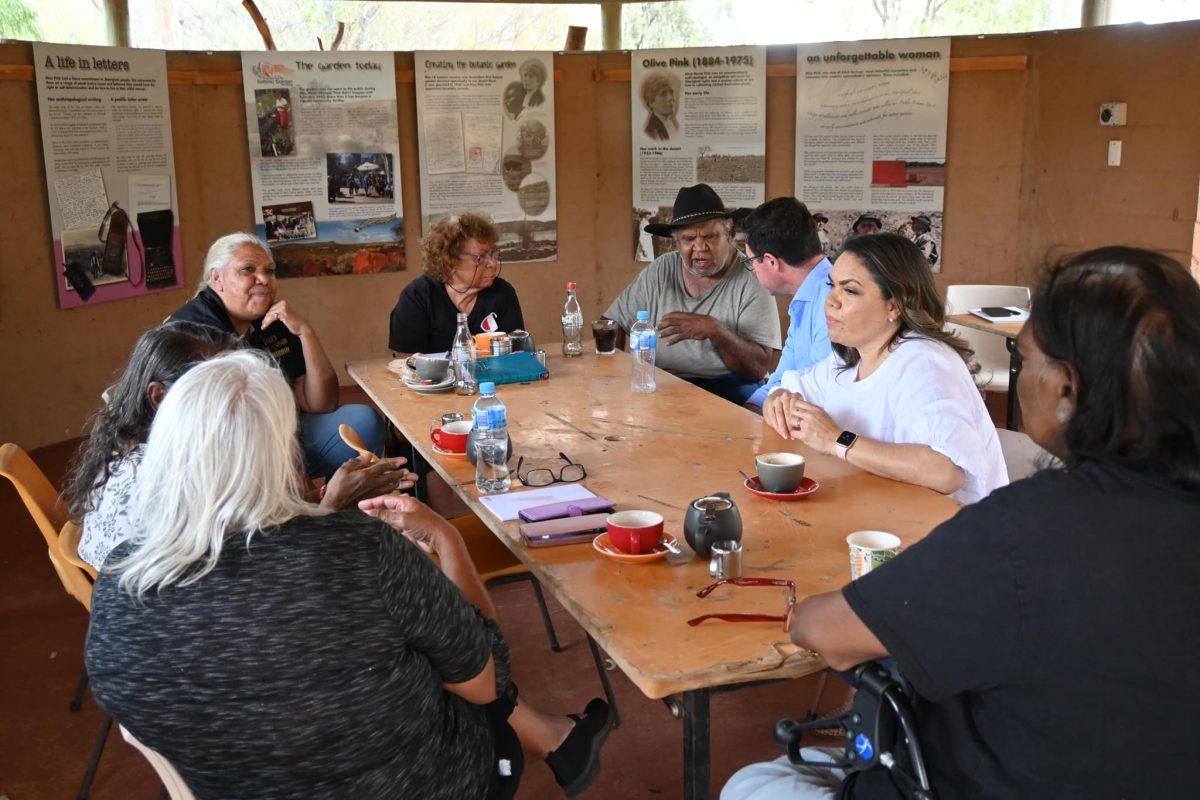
x=806 y=487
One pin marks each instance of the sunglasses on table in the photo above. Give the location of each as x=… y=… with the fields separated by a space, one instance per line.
x=544 y=476
x=785 y=618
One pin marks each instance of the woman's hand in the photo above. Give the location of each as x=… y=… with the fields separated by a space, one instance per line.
x=780 y=409
x=282 y=312
x=420 y=524
x=812 y=426
x=364 y=477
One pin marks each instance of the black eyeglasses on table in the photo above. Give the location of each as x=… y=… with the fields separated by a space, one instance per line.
x=544 y=476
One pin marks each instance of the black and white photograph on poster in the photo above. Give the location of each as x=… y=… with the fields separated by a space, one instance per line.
x=661 y=90
x=697 y=116
x=486 y=142
x=276 y=135
x=923 y=228
x=83 y=249
x=360 y=177
x=287 y=222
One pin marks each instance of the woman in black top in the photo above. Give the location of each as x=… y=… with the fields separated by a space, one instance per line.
x=462 y=276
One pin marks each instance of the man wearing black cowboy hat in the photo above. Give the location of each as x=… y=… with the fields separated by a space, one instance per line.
x=717 y=327
x=821 y=220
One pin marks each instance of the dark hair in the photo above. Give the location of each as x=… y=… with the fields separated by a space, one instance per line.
x=784 y=228
x=900 y=270
x=161 y=354
x=1127 y=321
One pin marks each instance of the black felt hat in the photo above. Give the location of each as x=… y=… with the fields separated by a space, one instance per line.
x=867 y=218
x=693 y=205
x=924 y=220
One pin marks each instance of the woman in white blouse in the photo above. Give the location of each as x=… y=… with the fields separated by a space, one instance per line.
x=896 y=397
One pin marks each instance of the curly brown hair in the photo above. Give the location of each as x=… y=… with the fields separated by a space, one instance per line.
x=443 y=244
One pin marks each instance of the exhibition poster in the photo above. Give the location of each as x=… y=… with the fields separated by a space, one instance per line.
x=871 y=139
x=324 y=160
x=110 y=171
x=486 y=141
x=699 y=116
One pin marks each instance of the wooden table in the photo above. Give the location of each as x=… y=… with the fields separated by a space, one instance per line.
x=660 y=452
x=1010 y=331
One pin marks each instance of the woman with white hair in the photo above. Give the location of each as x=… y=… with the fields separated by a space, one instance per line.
x=237 y=294
x=270 y=648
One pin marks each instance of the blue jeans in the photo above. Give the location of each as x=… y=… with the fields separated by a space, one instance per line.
x=324 y=450
x=733 y=388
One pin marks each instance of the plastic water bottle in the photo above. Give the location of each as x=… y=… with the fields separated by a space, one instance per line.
x=491 y=441
x=642 y=343
x=462 y=357
x=572 y=324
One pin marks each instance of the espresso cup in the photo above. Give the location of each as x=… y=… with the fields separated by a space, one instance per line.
x=869 y=550
x=780 y=473
x=635 y=532
x=429 y=368
x=453 y=437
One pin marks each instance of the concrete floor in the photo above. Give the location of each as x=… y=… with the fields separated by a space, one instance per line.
x=44 y=747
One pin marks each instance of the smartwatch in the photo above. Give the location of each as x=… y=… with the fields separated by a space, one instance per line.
x=844 y=442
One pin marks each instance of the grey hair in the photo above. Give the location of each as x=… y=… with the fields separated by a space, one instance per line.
x=222 y=459
x=221 y=251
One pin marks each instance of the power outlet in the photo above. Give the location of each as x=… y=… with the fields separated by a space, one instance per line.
x=1112 y=114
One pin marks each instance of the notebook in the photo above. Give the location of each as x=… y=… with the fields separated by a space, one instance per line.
x=520 y=367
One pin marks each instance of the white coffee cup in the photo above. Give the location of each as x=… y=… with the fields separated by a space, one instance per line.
x=870 y=549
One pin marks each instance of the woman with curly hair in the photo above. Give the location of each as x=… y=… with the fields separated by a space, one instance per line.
x=462 y=276
x=896 y=396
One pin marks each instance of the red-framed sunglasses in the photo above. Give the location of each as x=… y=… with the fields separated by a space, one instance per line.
x=785 y=618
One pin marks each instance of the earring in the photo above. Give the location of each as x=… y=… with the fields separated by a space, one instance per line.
x=1063 y=411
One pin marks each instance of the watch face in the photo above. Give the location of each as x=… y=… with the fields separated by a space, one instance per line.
x=846 y=439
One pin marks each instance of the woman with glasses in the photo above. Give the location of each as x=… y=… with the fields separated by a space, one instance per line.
x=462 y=276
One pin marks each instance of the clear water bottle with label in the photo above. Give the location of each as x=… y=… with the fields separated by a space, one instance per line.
x=462 y=358
x=572 y=324
x=491 y=442
x=642 y=343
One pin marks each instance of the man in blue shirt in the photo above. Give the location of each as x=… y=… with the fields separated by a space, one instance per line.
x=784 y=252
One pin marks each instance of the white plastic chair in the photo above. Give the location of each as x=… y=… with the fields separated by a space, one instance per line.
x=171 y=780
x=990 y=349
x=1022 y=455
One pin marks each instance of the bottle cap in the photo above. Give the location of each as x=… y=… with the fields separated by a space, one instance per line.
x=570 y=286
x=487 y=387
x=643 y=315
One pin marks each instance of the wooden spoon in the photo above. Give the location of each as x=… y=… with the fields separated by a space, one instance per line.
x=354 y=441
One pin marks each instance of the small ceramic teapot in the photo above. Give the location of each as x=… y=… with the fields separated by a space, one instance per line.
x=709 y=519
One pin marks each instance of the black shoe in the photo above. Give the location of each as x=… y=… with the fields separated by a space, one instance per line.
x=576 y=762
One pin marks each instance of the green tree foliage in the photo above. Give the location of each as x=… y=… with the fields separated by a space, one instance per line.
x=18 y=21
x=650 y=25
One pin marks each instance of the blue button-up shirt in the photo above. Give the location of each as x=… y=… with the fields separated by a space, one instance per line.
x=808 y=335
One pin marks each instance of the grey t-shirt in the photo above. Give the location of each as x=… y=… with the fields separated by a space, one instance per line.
x=738 y=301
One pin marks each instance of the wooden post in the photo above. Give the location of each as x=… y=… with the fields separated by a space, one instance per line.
x=610 y=21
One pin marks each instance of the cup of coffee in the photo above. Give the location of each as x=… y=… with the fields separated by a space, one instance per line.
x=635 y=532
x=604 y=331
x=780 y=473
x=452 y=437
x=870 y=549
x=429 y=368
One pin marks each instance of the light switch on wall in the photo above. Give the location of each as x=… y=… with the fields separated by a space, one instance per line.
x=1114 y=153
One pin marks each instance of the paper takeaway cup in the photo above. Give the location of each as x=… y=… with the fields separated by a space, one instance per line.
x=869 y=549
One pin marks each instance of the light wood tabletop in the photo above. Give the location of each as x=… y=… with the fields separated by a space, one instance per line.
x=1009 y=330
x=660 y=452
